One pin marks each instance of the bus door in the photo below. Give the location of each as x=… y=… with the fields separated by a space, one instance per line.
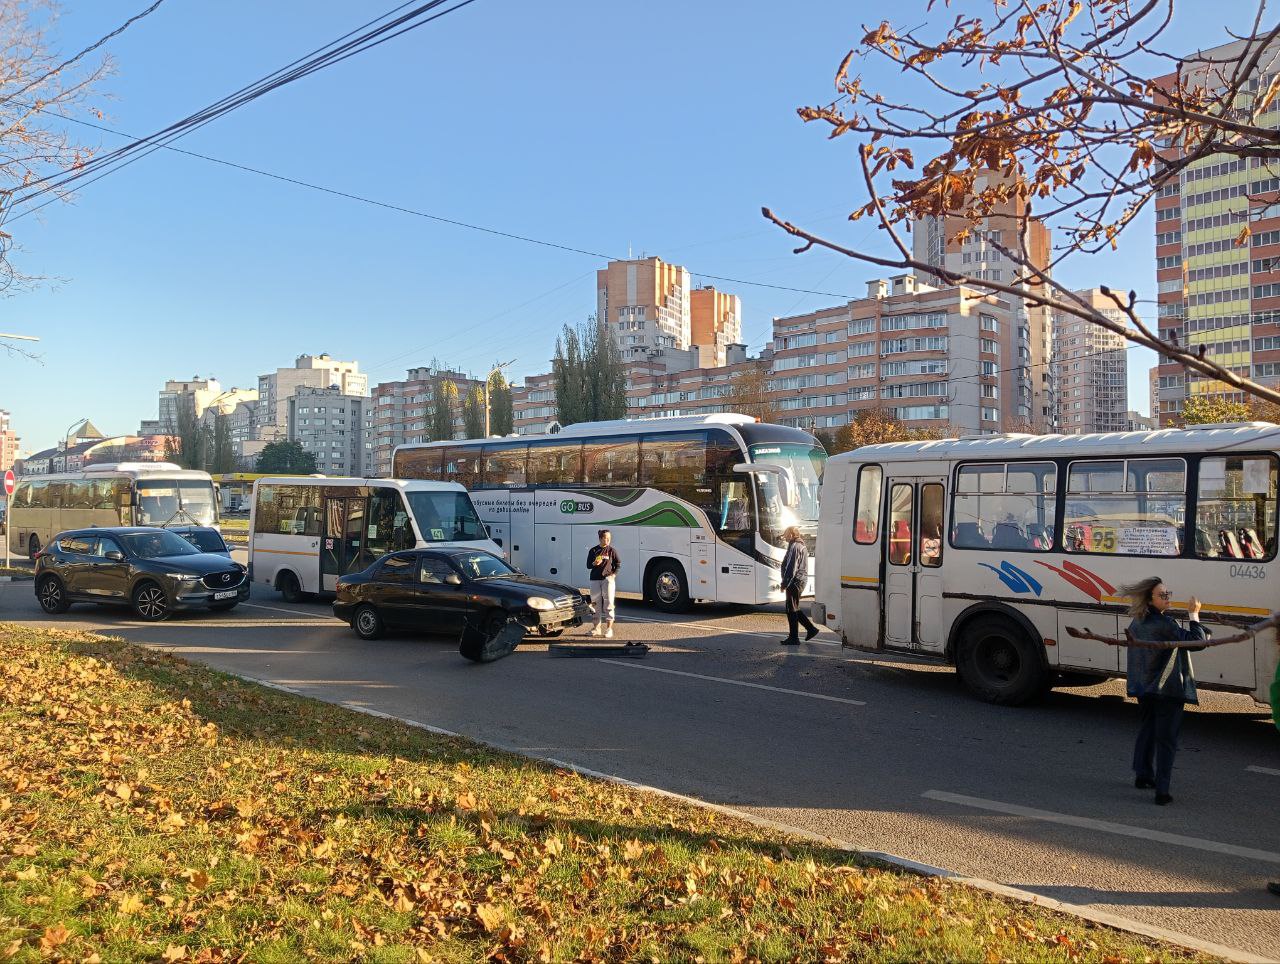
x=913 y=565
x=343 y=549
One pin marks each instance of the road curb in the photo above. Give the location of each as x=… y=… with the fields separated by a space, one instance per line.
x=1114 y=921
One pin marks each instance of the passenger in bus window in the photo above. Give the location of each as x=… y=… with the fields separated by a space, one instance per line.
x=1161 y=679
x=866 y=527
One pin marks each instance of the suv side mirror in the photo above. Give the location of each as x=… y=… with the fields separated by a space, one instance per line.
x=115 y=555
x=453 y=579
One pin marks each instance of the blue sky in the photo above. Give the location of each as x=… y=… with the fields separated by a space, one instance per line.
x=657 y=128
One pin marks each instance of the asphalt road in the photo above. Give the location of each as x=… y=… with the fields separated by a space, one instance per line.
x=886 y=754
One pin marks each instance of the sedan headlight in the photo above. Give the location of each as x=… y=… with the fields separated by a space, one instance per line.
x=540 y=602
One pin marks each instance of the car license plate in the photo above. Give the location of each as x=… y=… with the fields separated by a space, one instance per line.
x=229 y=594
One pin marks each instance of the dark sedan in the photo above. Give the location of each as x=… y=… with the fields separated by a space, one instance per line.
x=443 y=590
x=154 y=571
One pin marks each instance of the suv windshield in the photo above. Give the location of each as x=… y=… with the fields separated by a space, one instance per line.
x=166 y=501
x=445 y=516
x=206 y=540
x=157 y=545
x=481 y=565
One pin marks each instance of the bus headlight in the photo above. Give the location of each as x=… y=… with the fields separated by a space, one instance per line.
x=540 y=603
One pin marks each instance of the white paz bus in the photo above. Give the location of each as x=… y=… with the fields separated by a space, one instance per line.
x=108 y=494
x=982 y=551
x=697 y=504
x=306 y=532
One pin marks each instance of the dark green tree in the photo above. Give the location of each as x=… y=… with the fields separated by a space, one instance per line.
x=590 y=378
x=222 y=456
x=442 y=408
x=473 y=413
x=188 y=440
x=501 y=413
x=285 y=457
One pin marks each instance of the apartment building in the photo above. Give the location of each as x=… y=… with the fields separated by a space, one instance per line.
x=8 y=443
x=329 y=424
x=1211 y=291
x=715 y=323
x=195 y=395
x=647 y=304
x=938 y=242
x=665 y=387
x=533 y=404
x=311 y=371
x=951 y=358
x=1090 y=370
x=401 y=411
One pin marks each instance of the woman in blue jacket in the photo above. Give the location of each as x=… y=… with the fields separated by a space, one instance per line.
x=1161 y=678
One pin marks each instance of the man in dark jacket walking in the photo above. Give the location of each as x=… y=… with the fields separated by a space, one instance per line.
x=795 y=573
x=1161 y=679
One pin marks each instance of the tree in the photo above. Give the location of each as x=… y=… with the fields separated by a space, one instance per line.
x=222 y=455
x=286 y=457
x=443 y=402
x=501 y=412
x=749 y=395
x=38 y=87
x=1056 y=109
x=590 y=377
x=188 y=442
x=473 y=413
x=872 y=426
x=1213 y=409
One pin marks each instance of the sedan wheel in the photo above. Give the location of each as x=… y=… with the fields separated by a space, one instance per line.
x=367 y=623
x=53 y=598
x=150 y=602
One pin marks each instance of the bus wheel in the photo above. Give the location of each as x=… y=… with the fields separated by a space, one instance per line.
x=33 y=547
x=287 y=583
x=53 y=598
x=998 y=664
x=667 y=587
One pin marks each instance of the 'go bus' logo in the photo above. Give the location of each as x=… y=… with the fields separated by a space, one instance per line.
x=569 y=506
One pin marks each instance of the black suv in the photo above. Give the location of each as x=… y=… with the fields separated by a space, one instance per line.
x=442 y=590
x=153 y=570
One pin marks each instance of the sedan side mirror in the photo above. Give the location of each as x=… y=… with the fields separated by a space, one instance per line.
x=453 y=579
x=115 y=555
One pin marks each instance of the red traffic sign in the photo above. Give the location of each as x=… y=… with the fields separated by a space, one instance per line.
x=9 y=482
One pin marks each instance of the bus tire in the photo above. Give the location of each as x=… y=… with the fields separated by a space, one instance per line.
x=667 y=587
x=998 y=663
x=366 y=622
x=290 y=590
x=33 y=547
x=52 y=596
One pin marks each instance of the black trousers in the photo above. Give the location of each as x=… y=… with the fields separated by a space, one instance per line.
x=796 y=617
x=1161 y=721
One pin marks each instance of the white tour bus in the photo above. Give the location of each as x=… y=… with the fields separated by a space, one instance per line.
x=982 y=551
x=108 y=494
x=306 y=532
x=697 y=503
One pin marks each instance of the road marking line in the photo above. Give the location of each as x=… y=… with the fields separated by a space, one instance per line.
x=734 y=682
x=291 y=612
x=1104 y=826
x=1267 y=770
x=708 y=627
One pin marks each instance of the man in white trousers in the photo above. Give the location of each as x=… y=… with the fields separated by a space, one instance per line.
x=604 y=564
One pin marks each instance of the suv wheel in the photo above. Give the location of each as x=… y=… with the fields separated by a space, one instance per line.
x=150 y=602
x=366 y=622
x=52 y=595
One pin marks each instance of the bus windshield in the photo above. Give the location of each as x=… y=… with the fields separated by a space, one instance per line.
x=165 y=501
x=445 y=516
x=805 y=463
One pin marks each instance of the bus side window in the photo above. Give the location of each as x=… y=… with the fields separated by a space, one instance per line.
x=931 y=525
x=1236 y=507
x=866 y=525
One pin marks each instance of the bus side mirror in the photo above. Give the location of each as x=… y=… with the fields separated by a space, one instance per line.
x=126 y=498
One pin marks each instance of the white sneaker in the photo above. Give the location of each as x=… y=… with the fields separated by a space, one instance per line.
x=608 y=634
x=598 y=631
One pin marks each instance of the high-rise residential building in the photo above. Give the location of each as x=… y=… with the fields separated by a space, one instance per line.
x=329 y=424
x=533 y=404
x=201 y=397
x=311 y=371
x=401 y=412
x=715 y=323
x=938 y=242
x=1212 y=291
x=654 y=391
x=8 y=443
x=1090 y=370
x=647 y=305
x=1153 y=387
x=951 y=358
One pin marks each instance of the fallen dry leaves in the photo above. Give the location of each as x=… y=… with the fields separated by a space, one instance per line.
x=155 y=810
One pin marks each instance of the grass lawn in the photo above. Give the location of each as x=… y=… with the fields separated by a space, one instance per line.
x=231 y=526
x=152 y=809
